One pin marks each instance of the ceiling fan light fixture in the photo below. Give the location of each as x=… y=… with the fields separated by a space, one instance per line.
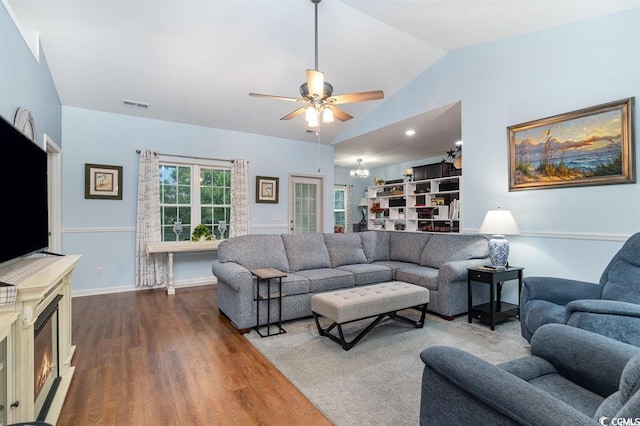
x=312 y=117
x=359 y=173
x=310 y=113
x=327 y=115
x=316 y=93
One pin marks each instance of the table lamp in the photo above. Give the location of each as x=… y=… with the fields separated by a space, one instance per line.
x=499 y=223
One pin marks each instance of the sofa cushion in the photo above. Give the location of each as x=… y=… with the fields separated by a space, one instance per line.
x=407 y=246
x=450 y=248
x=326 y=279
x=375 y=245
x=393 y=265
x=368 y=273
x=419 y=275
x=568 y=392
x=344 y=249
x=541 y=312
x=306 y=251
x=255 y=252
x=295 y=284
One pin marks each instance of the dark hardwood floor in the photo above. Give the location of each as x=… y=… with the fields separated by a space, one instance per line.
x=145 y=358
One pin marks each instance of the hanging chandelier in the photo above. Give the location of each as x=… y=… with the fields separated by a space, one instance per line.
x=359 y=173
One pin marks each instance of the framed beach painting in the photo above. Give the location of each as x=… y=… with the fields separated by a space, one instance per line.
x=591 y=146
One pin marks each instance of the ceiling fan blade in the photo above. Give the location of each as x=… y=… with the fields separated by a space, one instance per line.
x=356 y=97
x=339 y=114
x=315 y=82
x=280 y=98
x=294 y=113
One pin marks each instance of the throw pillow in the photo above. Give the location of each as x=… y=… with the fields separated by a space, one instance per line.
x=306 y=251
x=344 y=249
x=375 y=245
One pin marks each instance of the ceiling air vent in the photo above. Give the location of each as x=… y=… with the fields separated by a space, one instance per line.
x=135 y=104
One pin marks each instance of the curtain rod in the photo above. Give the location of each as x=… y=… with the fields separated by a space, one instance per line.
x=189 y=156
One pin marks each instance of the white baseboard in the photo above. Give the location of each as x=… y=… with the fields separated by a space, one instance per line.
x=191 y=282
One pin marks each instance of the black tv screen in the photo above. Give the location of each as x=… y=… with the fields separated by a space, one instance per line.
x=24 y=217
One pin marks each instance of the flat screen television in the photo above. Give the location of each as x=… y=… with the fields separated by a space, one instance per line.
x=24 y=216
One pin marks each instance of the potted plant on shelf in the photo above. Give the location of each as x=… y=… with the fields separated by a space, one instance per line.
x=201 y=233
x=376 y=209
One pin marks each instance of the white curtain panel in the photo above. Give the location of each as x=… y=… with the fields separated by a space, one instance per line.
x=239 y=198
x=149 y=268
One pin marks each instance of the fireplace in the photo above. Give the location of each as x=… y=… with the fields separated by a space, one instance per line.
x=46 y=358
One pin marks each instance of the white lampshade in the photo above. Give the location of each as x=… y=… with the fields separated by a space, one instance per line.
x=309 y=113
x=313 y=121
x=499 y=223
x=363 y=202
x=327 y=115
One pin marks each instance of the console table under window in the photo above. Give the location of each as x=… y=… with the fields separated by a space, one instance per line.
x=171 y=247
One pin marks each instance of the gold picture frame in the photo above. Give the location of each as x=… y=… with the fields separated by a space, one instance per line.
x=102 y=182
x=591 y=146
x=267 y=189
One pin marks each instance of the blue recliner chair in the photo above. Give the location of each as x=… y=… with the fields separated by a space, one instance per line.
x=572 y=377
x=610 y=307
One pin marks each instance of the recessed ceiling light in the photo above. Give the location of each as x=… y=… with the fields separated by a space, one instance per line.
x=410 y=132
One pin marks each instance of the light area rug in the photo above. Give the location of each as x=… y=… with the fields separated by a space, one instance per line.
x=378 y=381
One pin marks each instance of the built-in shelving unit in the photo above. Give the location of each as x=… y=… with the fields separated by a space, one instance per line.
x=428 y=205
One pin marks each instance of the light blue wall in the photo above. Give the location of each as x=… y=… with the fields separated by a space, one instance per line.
x=103 y=231
x=26 y=83
x=570 y=232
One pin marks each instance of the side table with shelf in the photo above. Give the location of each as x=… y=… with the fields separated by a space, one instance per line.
x=265 y=276
x=496 y=310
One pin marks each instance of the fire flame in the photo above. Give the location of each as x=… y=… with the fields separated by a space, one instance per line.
x=43 y=374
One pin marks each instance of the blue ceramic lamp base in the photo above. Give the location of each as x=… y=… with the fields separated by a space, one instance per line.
x=498 y=251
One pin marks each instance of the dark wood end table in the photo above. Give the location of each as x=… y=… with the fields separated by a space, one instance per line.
x=496 y=310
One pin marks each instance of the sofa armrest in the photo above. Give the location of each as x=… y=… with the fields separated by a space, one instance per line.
x=558 y=290
x=571 y=351
x=457 y=270
x=232 y=274
x=489 y=393
x=606 y=307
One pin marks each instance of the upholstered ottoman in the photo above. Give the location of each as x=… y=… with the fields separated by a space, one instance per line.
x=371 y=301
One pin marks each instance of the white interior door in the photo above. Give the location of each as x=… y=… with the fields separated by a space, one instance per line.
x=54 y=154
x=305 y=204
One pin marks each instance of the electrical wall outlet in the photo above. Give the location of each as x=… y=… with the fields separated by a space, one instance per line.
x=100 y=271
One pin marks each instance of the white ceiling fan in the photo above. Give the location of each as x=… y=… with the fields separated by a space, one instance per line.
x=317 y=94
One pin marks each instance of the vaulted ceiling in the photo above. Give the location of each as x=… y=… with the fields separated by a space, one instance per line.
x=195 y=61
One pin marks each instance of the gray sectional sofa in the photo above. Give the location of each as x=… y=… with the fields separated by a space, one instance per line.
x=323 y=262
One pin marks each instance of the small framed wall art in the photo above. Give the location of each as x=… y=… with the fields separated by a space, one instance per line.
x=267 y=189
x=102 y=182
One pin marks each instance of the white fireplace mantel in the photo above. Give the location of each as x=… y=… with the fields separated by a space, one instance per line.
x=39 y=280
